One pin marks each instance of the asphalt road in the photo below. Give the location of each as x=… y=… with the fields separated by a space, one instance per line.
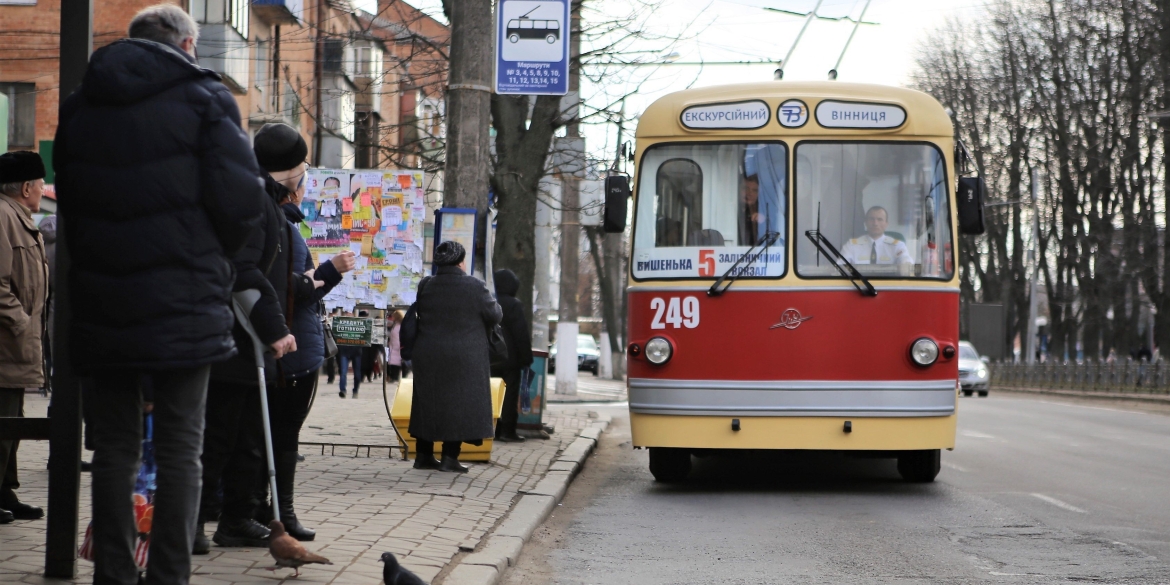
x=1036 y=491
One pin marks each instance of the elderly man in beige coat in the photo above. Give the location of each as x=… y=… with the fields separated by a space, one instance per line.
x=24 y=291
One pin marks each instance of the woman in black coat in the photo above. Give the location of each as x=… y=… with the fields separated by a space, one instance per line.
x=452 y=382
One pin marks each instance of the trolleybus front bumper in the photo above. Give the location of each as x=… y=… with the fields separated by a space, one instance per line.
x=896 y=398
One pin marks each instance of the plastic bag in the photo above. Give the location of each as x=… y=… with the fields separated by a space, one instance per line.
x=144 y=488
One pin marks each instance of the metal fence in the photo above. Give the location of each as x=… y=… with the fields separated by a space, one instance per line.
x=1130 y=377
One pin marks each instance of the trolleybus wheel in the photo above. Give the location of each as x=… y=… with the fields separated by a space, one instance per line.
x=919 y=466
x=669 y=464
x=551 y=39
x=983 y=393
x=515 y=38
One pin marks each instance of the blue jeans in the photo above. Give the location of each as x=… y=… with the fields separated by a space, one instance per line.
x=344 y=361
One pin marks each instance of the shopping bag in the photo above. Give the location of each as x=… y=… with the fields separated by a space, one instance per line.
x=144 y=488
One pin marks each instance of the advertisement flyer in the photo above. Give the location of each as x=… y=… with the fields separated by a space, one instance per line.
x=379 y=215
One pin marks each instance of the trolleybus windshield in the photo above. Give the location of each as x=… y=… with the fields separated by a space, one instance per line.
x=701 y=208
x=883 y=205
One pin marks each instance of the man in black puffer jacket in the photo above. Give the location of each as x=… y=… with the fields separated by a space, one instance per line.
x=158 y=188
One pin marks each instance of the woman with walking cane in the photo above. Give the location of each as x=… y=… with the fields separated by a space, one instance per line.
x=278 y=148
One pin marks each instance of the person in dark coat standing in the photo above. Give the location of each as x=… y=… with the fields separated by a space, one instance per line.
x=158 y=187
x=234 y=442
x=281 y=150
x=452 y=378
x=519 y=340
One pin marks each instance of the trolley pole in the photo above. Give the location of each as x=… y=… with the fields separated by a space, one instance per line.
x=1034 y=257
x=807 y=21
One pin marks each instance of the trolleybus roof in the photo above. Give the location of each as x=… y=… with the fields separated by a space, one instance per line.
x=924 y=115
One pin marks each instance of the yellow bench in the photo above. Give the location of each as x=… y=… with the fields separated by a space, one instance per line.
x=400 y=418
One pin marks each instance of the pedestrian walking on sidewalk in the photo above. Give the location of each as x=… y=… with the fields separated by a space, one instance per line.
x=518 y=337
x=452 y=379
x=396 y=369
x=24 y=309
x=280 y=150
x=233 y=445
x=157 y=187
x=346 y=355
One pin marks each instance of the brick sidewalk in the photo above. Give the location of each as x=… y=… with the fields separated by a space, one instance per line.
x=360 y=506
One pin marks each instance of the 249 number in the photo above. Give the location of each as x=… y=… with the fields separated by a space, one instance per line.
x=676 y=312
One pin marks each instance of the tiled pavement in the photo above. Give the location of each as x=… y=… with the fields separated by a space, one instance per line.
x=360 y=506
x=590 y=388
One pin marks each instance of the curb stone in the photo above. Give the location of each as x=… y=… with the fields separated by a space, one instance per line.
x=502 y=547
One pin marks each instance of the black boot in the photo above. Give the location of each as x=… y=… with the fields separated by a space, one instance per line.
x=424 y=455
x=234 y=532
x=18 y=509
x=286 y=469
x=451 y=458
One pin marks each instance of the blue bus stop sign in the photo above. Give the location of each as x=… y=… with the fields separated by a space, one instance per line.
x=532 y=47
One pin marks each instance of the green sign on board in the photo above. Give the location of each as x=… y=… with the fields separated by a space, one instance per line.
x=353 y=330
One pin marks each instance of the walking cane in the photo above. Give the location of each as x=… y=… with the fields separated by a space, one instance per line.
x=242 y=304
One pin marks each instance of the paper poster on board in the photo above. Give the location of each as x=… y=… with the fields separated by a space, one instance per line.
x=378 y=215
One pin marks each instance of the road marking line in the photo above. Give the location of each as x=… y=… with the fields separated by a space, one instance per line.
x=1060 y=504
x=955 y=467
x=1096 y=407
x=977 y=435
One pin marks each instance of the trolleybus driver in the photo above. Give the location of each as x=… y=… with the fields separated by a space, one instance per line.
x=875 y=247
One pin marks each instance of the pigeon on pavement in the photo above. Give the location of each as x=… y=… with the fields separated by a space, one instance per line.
x=288 y=552
x=394 y=574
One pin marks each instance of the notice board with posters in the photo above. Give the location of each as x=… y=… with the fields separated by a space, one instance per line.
x=379 y=215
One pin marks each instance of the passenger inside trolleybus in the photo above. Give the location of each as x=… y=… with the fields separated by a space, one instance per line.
x=718 y=199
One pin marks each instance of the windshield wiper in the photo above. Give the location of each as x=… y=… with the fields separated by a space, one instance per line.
x=733 y=273
x=821 y=242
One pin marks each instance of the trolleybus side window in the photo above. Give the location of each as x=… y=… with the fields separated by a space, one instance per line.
x=703 y=206
x=884 y=206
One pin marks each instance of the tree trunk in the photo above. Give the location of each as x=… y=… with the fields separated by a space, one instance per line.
x=468 y=164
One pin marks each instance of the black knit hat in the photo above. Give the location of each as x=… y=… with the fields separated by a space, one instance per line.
x=449 y=253
x=20 y=166
x=279 y=147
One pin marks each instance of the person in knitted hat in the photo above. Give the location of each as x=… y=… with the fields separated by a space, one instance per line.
x=24 y=292
x=233 y=420
x=281 y=152
x=452 y=389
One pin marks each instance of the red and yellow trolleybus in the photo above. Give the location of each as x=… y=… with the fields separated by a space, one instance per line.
x=792 y=278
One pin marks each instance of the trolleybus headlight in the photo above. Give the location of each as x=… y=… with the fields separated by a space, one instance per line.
x=924 y=352
x=658 y=351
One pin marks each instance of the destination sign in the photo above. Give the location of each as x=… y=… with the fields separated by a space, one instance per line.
x=733 y=116
x=835 y=114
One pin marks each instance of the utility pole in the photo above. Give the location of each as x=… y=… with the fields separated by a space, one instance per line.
x=76 y=45
x=1034 y=257
x=468 y=165
x=567 y=327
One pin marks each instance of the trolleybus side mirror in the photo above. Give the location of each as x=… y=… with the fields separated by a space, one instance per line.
x=971 y=194
x=617 y=194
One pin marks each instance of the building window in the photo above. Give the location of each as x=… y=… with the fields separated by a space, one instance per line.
x=232 y=12
x=22 y=113
x=238 y=16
